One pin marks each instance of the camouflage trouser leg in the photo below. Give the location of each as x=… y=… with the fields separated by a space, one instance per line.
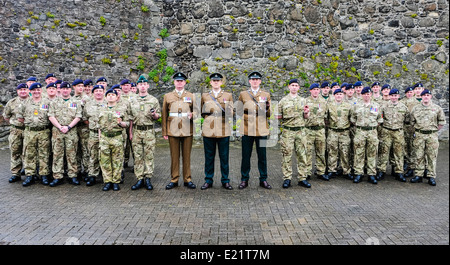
x=111 y=158
x=392 y=143
x=83 y=148
x=128 y=148
x=338 y=146
x=293 y=141
x=365 y=147
x=316 y=143
x=15 y=139
x=64 y=144
x=36 y=151
x=426 y=148
x=144 y=142
x=94 y=166
x=409 y=150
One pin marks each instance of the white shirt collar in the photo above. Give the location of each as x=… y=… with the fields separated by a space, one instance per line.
x=180 y=92
x=216 y=93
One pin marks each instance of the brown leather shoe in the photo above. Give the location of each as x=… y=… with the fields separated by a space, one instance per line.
x=265 y=185
x=243 y=185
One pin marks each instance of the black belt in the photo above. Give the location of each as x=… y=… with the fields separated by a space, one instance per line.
x=143 y=127
x=293 y=128
x=315 y=128
x=366 y=128
x=18 y=127
x=339 y=130
x=426 y=132
x=37 y=129
x=111 y=134
x=394 y=130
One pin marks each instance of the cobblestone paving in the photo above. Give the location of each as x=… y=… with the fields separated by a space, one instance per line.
x=335 y=212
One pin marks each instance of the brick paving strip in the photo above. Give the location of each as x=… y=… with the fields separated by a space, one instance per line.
x=336 y=212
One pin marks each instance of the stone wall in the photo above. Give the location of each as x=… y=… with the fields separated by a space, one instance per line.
x=392 y=41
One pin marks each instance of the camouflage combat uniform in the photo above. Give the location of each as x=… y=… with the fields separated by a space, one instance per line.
x=65 y=111
x=366 y=118
x=315 y=133
x=111 y=142
x=394 y=118
x=90 y=113
x=37 y=136
x=426 y=120
x=83 y=138
x=338 y=141
x=293 y=137
x=16 y=134
x=144 y=140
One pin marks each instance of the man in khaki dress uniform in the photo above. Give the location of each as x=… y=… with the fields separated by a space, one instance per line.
x=217 y=109
x=178 y=112
x=256 y=107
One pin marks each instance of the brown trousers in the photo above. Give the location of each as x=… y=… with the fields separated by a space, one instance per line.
x=185 y=143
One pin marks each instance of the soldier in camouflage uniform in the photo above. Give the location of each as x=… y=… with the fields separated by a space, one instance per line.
x=358 y=88
x=315 y=131
x=410 y=101
x=16 y=133
x=36 y=136
x=293 y=111
x=376 y=92
x=90 y=115
x=338 y=141
x=82 y=131
x=112 y=121
x=127 y=96
x=427 y=119
x=366 y=116
x=349 y=90
x=124 y=105
x=395 y=116
x=64 y=113
x=145 y=110
x=88 y=86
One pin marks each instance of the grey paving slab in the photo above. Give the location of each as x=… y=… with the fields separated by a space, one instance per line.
x=336 y=212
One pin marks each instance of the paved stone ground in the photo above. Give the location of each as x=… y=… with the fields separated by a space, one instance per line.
x=335 y=212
